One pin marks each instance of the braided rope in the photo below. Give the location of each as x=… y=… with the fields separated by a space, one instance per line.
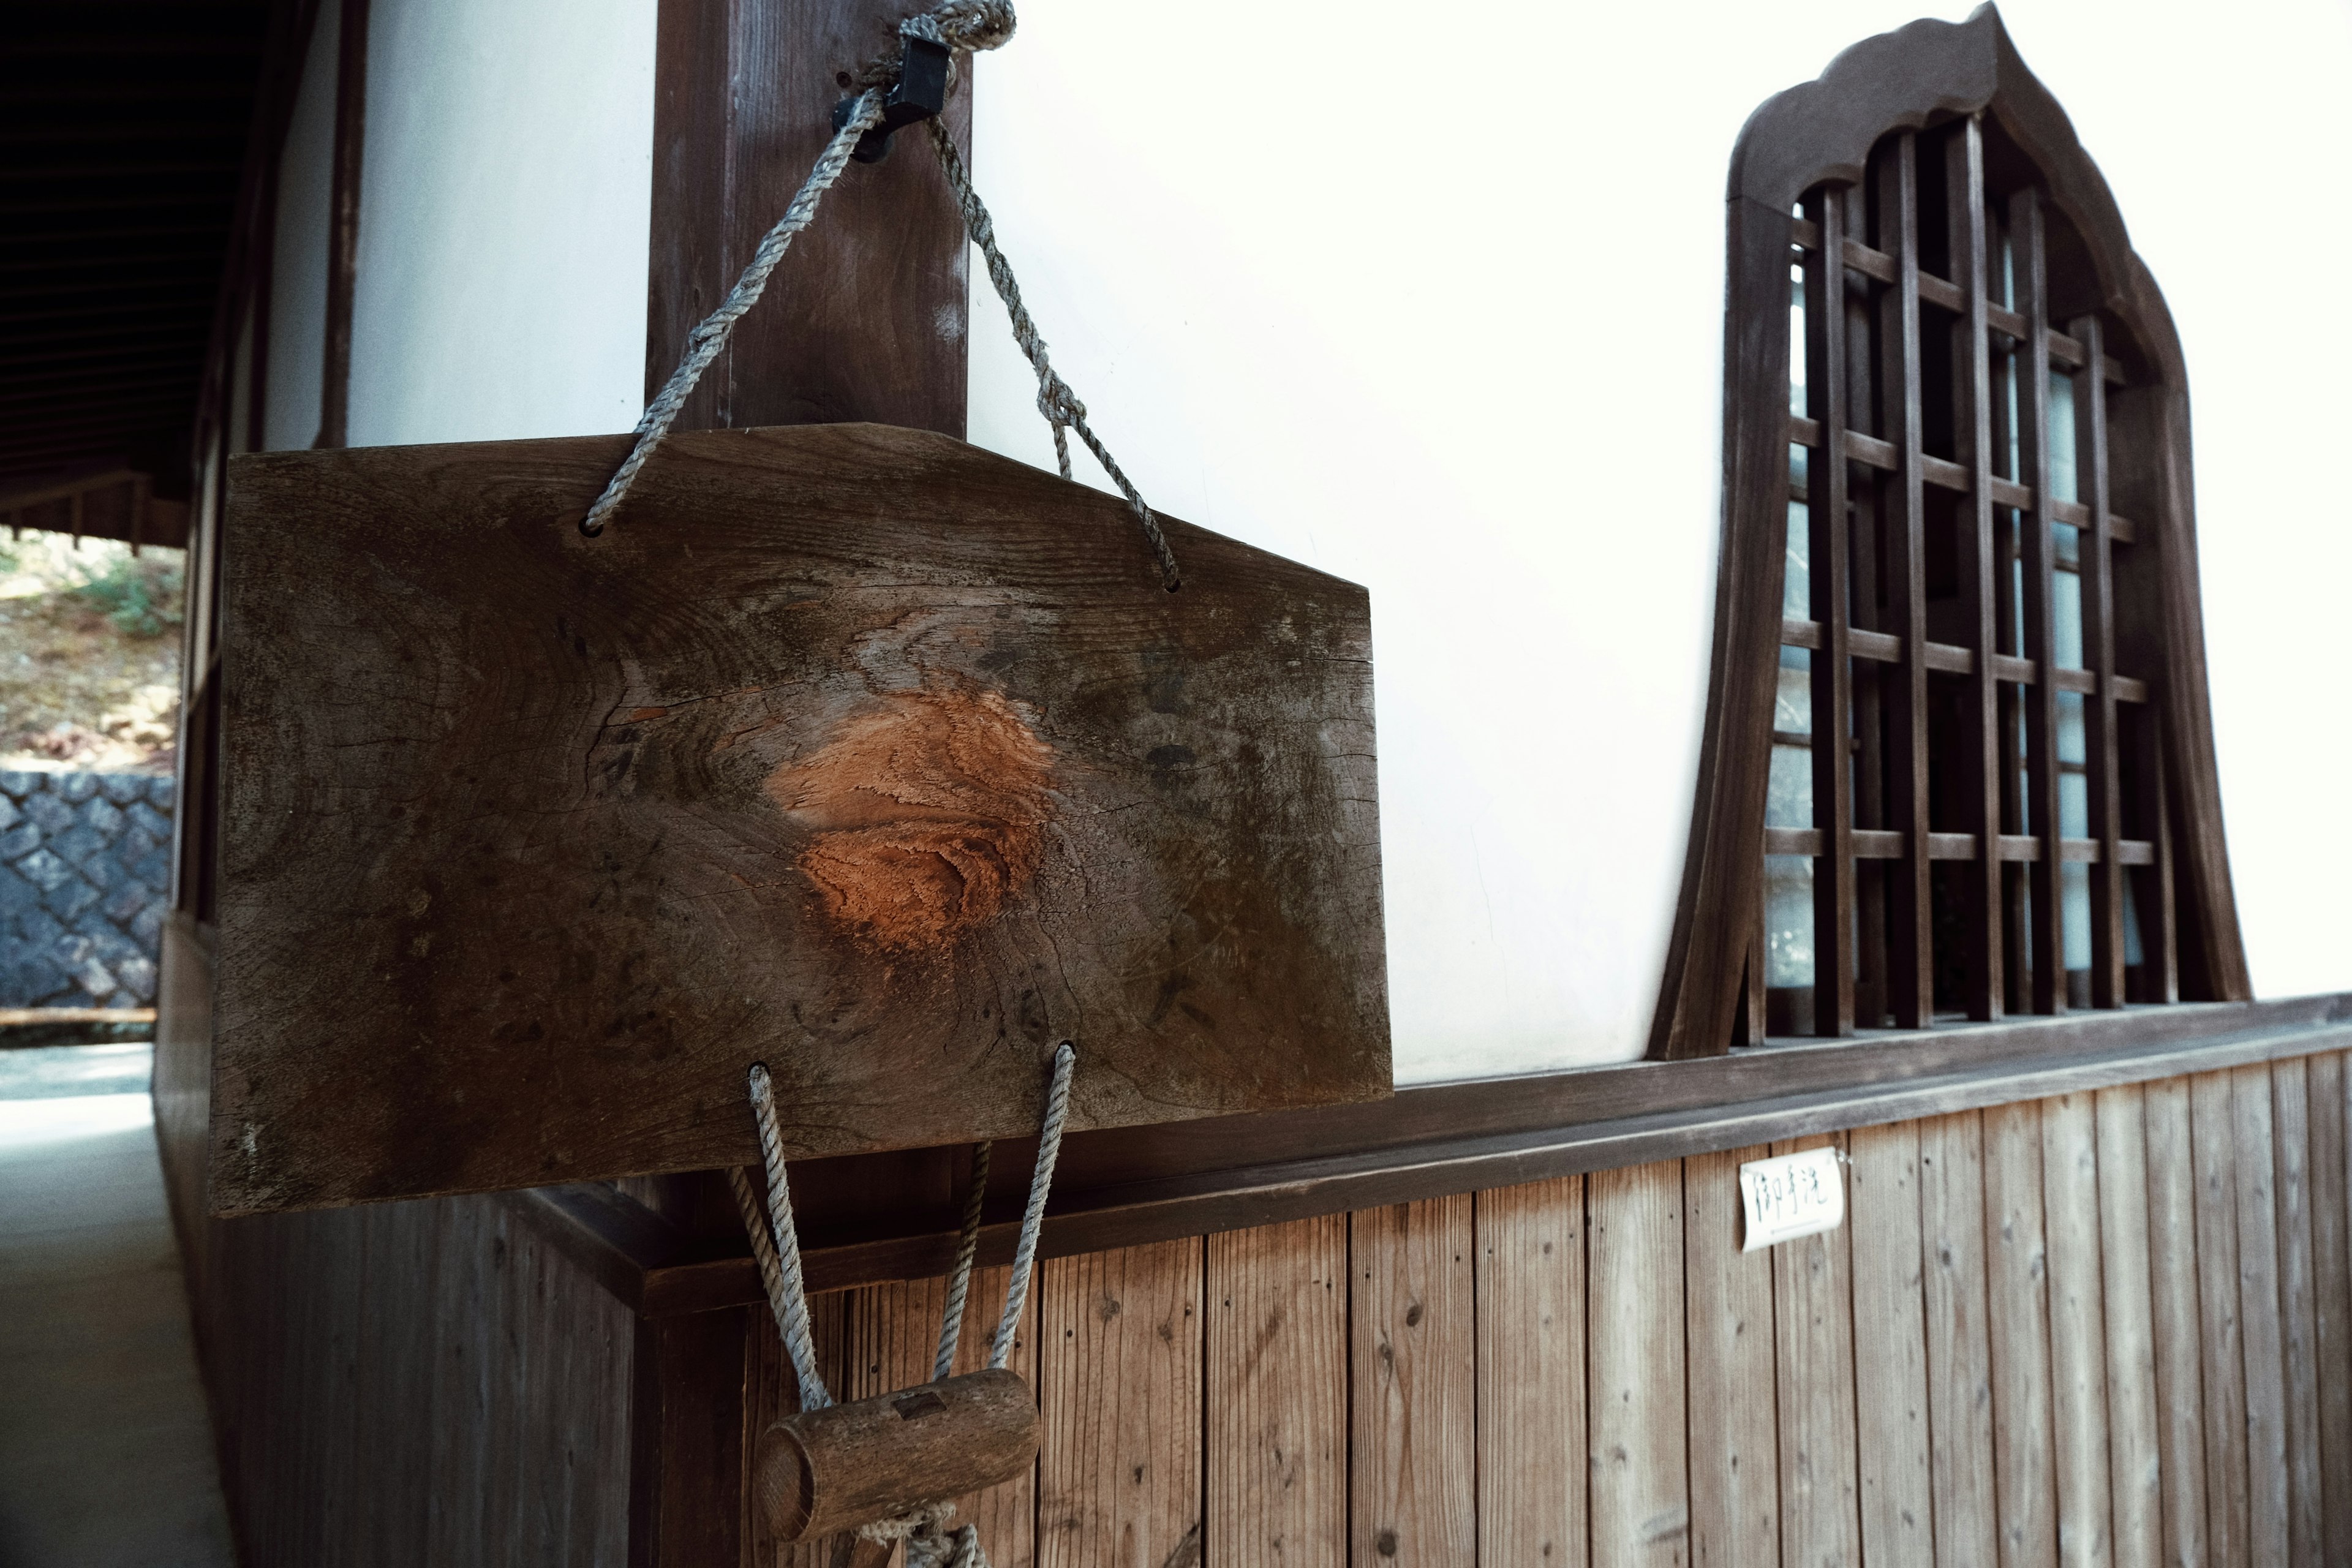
x=1055 y=401
x=929 y=1544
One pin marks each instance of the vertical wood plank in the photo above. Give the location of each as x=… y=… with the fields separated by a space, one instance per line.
x=1006 y=1515
x=2016 y=1290
x=1911 y=968
x=2175 y=1322
x=1531 y=1417
x=1978 y=776
x=1641 y=1493
x=2078 y=1345
x=2135 y=1456
x=2298 y=1309
x=1278 y=1395
x=1832 y=602
x=1960 y=1354
x=1813 y=1310
x=2331 y=1256
x=1735 y=1458
x=2046 y=935
x=1890 y=1348
x=1118 y=1477
x=1412 y=1430
x=2260 y=1331
x=2213 y=1143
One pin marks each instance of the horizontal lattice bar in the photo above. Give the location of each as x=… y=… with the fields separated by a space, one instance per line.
x=1879 y=844
x=1945 y=659
x=1873 y=453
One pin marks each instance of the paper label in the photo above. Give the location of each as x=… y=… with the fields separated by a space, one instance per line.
x=1793 y=1196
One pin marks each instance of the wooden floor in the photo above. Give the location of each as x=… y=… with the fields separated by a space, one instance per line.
x=2105 y=1329
x=106 y=1453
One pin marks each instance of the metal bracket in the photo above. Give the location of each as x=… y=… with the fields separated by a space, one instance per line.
x=921 y=92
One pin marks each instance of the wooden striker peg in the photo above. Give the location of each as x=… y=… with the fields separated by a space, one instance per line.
x=824 y=1471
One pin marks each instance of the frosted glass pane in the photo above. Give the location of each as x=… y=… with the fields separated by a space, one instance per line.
x=2061 y=438
x=2133 y=953
x=1796 y=580
x=2074 y=806
x=1789 y=797
x=1792 y=704
x=2074 y=911
x=1788 y=920
x=2073 y=737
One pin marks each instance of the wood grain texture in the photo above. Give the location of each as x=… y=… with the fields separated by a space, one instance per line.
x=2017 y=1296
x=854 y=750
x=1813 y=1314
x=2134 y=1453
x=2175 y=1268
x=1119 y=1477
x=1278 y=1395
x=1960 y=1354
x=2331 y=1256
x=1531 y=1292
x=1890 y=1348
x=1735 y=1455
x=2298 y=1310
x=2214 y=1148
x=2071 y=1179
x=2260 y=1329
x=1413 y=1486
x=1640 y=1481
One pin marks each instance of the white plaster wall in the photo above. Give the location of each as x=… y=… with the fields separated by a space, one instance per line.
x=1432 y=300
x=297 y=262
x=503 y=220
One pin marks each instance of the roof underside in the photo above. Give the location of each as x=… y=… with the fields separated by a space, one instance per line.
x=122 y=135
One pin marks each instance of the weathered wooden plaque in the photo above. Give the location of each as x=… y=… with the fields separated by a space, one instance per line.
x=852 y=750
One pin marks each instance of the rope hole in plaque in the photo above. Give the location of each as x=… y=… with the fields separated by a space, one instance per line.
x=896 y=94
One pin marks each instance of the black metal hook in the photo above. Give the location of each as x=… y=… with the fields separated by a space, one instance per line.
x=920 y=93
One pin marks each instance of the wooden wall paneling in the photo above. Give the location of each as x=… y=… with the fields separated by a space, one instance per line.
x=1890 y=1348
x=1531 y=1292
x=1412 y=1426
x=1634 y=1358
x=2298 y=1309
x=1813 y=1314
x=770 y=1391
x=1960 y=1354
x=1119 y=1379
x=2017 y=1294
x=1735 y=1451
x=2261 y=1333
x=2078 y=1345
x=1277 y=1395
x=2176 y=1320
x=2331 y=1256
x=403 y=1248
x=465 y=1316
x=2135 y=1454
x=1007 y=1514
x=2214 y=1148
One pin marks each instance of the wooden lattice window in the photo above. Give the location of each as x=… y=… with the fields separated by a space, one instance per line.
x=1958 y=539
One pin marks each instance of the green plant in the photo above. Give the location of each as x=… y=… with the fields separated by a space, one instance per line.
x=142 y=598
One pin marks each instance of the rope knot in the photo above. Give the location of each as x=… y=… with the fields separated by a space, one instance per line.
x=1056 y=402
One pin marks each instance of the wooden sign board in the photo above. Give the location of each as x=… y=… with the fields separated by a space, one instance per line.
x=852 y=750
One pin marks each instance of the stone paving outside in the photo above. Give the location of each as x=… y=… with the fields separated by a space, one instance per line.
x=85 y=880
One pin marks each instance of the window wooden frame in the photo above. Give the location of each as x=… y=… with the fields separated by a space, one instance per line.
x=1921 y=79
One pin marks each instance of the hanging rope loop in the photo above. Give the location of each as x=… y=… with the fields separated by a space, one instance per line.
x=961 y=26
x=775 y=1244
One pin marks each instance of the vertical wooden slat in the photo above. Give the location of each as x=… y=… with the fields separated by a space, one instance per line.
x=2213 y=1146
x=2331 y=1257
x=2046 y=934
x=2016 y=1288
x=1118 y=1373
x=2135 y=1456
x=2268 y=1508
x=2078 y=1347
x=1413 y=1492
x=1960 y=1355
x=1832 y=665
x=1977 y=778
x=1735 y=1463
x=1911 y=963
x=1813 y=1312
x=344 y=223
x=2174 y=1237
x=1641 y=1493
x=1531 y=1416
x=1890 y=1348
x=2102 y=751
x=1278 y=1395
x=2298 y=1306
